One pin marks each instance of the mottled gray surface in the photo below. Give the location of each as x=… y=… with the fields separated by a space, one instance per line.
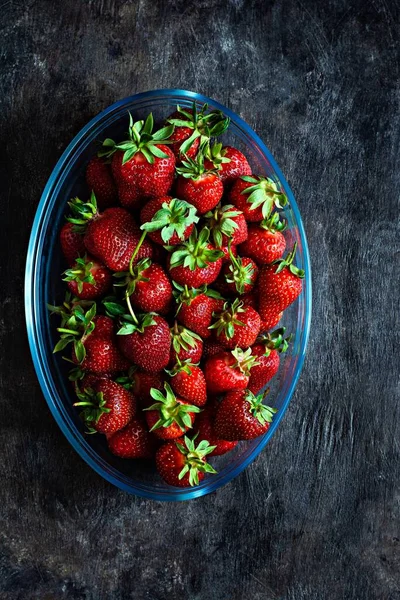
x=317 y=515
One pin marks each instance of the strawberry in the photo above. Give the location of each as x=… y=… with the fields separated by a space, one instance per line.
x=269 y=318
x=196 y=262
x=242 y=416
x=227 y=251
x=168 y=220
x=71 y=242
x=170 y=416
x=147 y=286
x=88 y=278
x=201 y=188
x=145 y=341
x=140 y=383
x=84 y=380
x=240 y=275
x=112 y=236
x=107 y=408
x=185 y=344
x=236 y=325
x=193 y=127
x=211 y=348
x=181 y=463
x=228 y=371
x=204 y=429
x=133 y=441
x=229 y=161
x=93 y=350
x=279 y=284
x=100 y=180
x=144 y=162
x=267 y=352
x=250 y=299
x=227 y=225
x=196 y=308
x=256 y=196
x=265 y=242
x=187 y=381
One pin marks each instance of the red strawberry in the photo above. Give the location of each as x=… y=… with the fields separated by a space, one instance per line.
x=169 y=417
x=133 y=441
x=250 y=299
x=144 y=162
x=267 y=353
x=196 y=308
x=256 y=196
x=227 y=225
x=186 y=345
x=228 y=371
x=279 y=285
x=107 y=408
x=204 y=430
x=88 y=279
x=240 y=275
x=112 y=236
x=212 y=348
x=140 y=383
x=99 y=179
x=128 y=194
x=93 y=343
x=269 y=319
x=145 y=341
x=168 y=220
x=237 y=325
x=84 y=380
x=194 y=127
x=181 y=463
x=242 y=416
x=147 y=286
x=71 y=243
x=187 y=381
x=230 y=162
x=201 y=188
x=196 y=262
x=266 y=242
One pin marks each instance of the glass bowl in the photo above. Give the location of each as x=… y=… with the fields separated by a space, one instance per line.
x=43 y=285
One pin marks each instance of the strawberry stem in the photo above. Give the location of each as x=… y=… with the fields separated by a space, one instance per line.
x=71 y=331
x=136 y=252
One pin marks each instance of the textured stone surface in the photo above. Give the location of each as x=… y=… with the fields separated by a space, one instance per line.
x=317 y=515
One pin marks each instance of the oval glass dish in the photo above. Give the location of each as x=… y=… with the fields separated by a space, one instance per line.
x=43 y=285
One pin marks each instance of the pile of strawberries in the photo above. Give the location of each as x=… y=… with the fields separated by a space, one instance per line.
x=176 y=277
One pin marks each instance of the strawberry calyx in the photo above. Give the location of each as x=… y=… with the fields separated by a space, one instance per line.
x=228 y=319
x=244 y=360
x=195 y=252
x=174 y=216
x=194 y=169
x=239 y=274
x=220 y=222
x=129 y=322
x=204 y=125
x=127 y=381
x=216 y=154
x=81 y=273
x=131 y=278
x=275 y=341
x=194 y=458
x=171 y=411
x=182 y=338
x=273 y=223
x=181 y=366
x=264 y=193
x=94 y=407
x=82 y=212
x=141 y=139
x=76 y=325
x=263 y=413
x=287 y=262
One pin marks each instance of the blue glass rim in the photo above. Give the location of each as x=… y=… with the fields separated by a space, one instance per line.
x=32 y=321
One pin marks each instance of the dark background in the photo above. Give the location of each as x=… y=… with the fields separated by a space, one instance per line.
x=317 y=515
